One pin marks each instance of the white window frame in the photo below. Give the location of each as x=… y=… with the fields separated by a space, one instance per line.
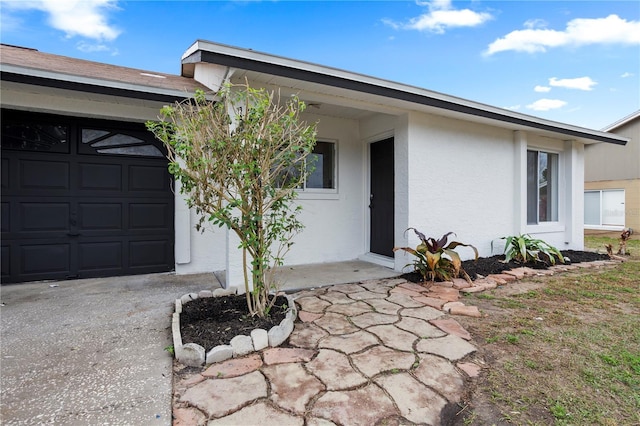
x=551 y=225
x=600 y=206
x=305 y=193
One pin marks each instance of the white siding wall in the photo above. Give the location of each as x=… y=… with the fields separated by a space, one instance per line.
x=333 y=223
x=461 y=179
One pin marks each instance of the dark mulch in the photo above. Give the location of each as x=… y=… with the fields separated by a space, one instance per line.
x=214 y=321
x=495 y=264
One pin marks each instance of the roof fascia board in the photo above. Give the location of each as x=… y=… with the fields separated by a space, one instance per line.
x=622 y=121
x=83 y=84
x=260 y=62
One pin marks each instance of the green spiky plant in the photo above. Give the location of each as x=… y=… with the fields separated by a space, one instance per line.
x=435 y=259
x=524 y=248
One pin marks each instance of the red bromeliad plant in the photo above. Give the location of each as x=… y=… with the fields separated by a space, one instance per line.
x=437 y=260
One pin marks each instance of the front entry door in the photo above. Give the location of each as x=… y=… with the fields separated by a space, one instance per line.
x=381 y=199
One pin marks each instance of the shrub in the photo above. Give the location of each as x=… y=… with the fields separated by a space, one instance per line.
x=435 y=259
x=523 y=248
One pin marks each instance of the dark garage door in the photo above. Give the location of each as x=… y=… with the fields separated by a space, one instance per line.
x=82 y=198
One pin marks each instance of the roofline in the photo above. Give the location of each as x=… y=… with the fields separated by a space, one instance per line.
x=622 y=121
x=25 y=75
x=250 y=60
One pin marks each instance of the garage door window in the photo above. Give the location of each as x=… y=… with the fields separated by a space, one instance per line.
x=35 y=137
x=108 y=142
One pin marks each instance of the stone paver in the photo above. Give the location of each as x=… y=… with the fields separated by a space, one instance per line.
x=217 y=398
x=373 y=318
x=441 y=375
x=451 y=326
x=273 y=356
x=417 y=403
x=233 y=367
x=419 y=327
x=352 y=309
x=371 y=402
x=349 y=343
x=380 y=358
x=292 y=387
x=377 y=352
x=306 y=335
x=335 y=371
x=259 y=413
x=450 y=347
x=393 y=337
x=335 y=324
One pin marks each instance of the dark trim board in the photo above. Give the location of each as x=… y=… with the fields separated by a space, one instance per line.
x=374 y=89
x=90 y=88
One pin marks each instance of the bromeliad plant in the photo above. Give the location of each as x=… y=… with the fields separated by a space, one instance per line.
x=435 y=259
x=523 y=248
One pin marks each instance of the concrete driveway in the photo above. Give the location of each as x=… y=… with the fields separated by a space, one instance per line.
x=90 y=352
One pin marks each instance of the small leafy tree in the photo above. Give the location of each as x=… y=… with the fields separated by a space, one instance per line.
x=239 y=159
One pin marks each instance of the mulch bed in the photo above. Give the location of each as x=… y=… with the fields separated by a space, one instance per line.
x=213 y=321
x=495 y=264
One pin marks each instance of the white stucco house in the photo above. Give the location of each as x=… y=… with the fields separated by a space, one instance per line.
x=393 y=156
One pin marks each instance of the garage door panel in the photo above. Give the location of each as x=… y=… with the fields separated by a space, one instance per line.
x=5 y=174
x=5 y=259
x=100 y=177
x=99 y=255
x=39 y=258
x=149 y=216
x=77 y=209
x=100 y=216
x=45 y=174
x=6 y=217
x=150 y=253
x=44 y=216
x=148 y=178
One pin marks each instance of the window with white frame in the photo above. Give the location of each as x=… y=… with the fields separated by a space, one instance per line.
x=320 y=165
x=604 y=208
x=542 y=187
x=322 y=162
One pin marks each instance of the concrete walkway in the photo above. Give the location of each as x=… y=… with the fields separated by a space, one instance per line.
x=374 y=352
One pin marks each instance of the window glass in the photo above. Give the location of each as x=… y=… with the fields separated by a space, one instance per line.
x=107 y=142
x=542 y=187
x=321 y=159
x=592 y=208
x=34 y=136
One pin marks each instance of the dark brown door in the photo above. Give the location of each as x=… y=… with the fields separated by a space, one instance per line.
x=82 y=198
x=381 y=199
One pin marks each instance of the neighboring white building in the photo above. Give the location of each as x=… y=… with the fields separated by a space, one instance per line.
x=394 y=156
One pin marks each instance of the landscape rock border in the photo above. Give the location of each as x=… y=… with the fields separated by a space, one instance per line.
x=194 y=355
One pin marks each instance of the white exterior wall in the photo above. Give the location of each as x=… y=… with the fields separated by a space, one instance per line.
x=333 y=222
x=461 y=179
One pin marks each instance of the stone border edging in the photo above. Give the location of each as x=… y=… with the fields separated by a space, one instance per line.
x=194 y=355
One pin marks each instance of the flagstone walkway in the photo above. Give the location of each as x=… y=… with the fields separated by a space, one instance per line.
x=380 y=351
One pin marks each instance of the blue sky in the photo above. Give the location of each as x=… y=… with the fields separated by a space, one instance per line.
x=576 y=62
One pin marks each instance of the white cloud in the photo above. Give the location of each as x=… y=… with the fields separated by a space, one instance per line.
x=541 y=89
x=546 y=104
x=91 y=47
x=627 y=75
x=579 y=32
x=535 y=23
x=580 y=83
x=85 y=18
x=441 y=16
